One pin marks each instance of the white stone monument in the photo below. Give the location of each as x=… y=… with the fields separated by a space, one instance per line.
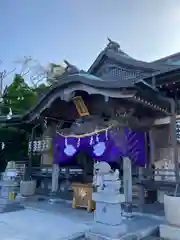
x=171 y=228
x=108 y=214
x=9 y=189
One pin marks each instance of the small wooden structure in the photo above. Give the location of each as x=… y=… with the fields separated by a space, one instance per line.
x=82 y=196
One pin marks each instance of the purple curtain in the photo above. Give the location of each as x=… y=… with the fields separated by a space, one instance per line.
x=102 y=147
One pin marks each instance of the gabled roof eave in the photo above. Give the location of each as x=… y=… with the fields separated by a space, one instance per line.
x=96 y=62
x=153 y=67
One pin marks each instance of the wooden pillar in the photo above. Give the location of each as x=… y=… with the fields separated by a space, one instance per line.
x=141 y=188
x=152 y=149
x=174 y=145
x=29 y=167
x=47 y=156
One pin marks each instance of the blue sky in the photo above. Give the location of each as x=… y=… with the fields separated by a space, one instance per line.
x=77 y=30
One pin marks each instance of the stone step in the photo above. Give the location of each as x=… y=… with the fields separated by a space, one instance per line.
x=153 y=238
x=5 y=201
x=11 y=208
x=7 y=205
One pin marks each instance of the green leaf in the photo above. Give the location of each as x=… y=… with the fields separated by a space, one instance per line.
x=19 y=96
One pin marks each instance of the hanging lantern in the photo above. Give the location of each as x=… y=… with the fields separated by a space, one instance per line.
x=39 y=146
x=178 y=130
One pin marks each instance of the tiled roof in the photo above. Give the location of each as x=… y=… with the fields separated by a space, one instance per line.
x=114 y=53
x=168 y=59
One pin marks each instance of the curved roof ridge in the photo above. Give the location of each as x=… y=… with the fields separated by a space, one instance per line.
x=114 y=52
x=137 y=63
x=174 y=55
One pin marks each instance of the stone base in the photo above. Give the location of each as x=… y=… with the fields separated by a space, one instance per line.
x=108 y=208
x=108 y=214
x=139 y=234
x=95 y=236
x=100 y=231
x=136 y=228
x=169 y=232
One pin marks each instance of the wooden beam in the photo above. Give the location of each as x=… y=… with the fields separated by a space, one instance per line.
x=162 y=121
x=133 y=122
x=165 y=120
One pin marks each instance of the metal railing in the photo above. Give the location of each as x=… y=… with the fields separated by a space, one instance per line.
x=161 y=174
x=160 y=177
x=45 y=171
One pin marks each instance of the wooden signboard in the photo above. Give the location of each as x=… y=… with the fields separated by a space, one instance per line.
x=82 y=196
x=80 y=106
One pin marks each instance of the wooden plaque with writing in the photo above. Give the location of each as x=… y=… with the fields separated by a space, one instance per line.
x=80 y=106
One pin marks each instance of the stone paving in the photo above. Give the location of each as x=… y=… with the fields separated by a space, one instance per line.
x=58 y=221
x=62 y=208
x=30 y=224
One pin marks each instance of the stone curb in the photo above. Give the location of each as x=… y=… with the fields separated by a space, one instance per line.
x=144 y=233
x=149 y=215
x=75 y=236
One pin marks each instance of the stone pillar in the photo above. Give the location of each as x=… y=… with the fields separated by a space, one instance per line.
x=127 y=179
x=127 y=185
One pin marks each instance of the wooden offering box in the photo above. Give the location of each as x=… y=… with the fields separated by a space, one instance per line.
x=82 y=196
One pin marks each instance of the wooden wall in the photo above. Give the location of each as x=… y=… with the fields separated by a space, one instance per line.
x=162 y=145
